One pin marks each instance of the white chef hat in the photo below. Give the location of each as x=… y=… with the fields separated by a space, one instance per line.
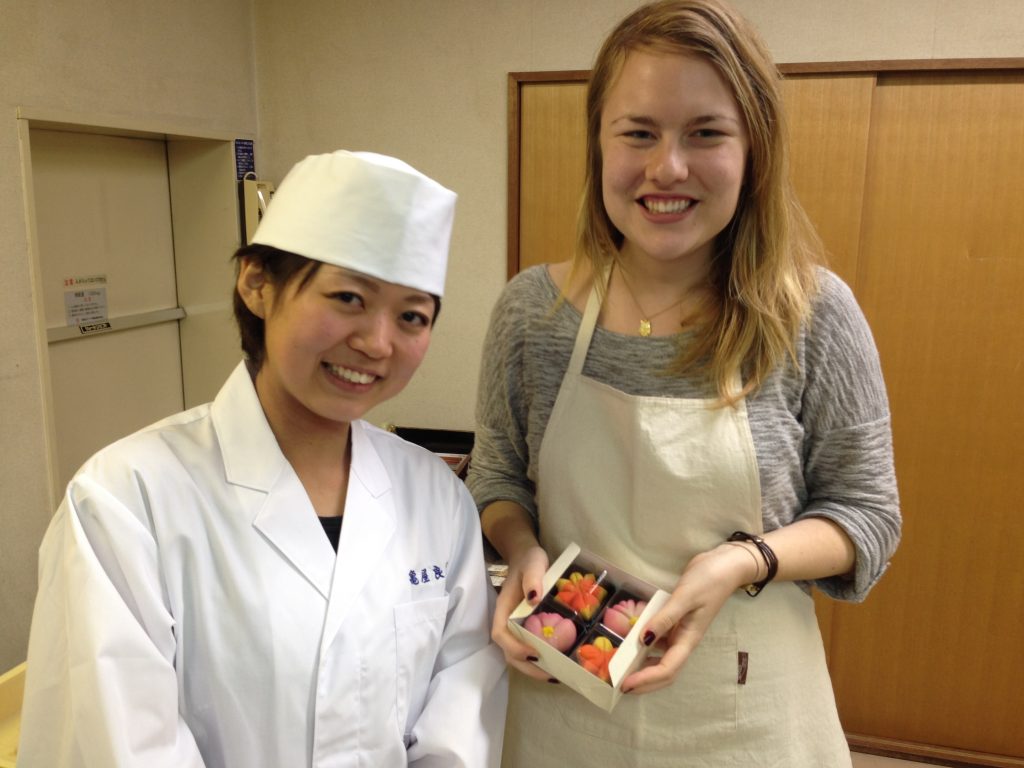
x=366 y=212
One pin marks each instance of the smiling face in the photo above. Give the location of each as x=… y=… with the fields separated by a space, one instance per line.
x=674 y=148
x=335 y=346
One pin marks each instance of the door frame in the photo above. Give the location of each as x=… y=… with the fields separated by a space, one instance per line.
x=205 y=230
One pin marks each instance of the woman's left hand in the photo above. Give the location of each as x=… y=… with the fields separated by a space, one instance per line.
x=708 y=581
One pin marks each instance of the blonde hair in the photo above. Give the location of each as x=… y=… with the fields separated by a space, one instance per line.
x=763 y=271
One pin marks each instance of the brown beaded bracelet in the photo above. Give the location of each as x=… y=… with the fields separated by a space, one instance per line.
x=769 y=559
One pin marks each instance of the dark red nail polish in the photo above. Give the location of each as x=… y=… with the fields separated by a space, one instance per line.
x=532 y=658
x=552 y=680
x=648 y=637
x=532 y=595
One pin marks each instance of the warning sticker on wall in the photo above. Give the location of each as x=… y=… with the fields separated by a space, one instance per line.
x=85 y=300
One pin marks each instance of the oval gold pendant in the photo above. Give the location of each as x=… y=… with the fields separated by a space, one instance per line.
x=645 y=328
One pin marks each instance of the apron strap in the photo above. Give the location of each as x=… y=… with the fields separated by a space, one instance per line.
x=587 y=325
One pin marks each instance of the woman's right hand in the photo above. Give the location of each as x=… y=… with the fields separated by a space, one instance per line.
x=525 y=574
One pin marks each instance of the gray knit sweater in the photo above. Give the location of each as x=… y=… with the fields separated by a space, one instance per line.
x=821 y=430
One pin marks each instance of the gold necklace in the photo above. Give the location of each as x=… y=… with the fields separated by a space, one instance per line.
x=645 y=319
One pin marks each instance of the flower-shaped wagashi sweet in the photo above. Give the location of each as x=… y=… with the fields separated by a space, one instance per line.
x=553 y=628
x=581 y=593
x=621 y=617
x=594 y=657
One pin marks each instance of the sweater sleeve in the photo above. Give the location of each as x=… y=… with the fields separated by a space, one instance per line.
x=501 y=456
x=848 y=457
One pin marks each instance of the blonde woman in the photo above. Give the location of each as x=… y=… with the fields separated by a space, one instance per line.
x=693 y=398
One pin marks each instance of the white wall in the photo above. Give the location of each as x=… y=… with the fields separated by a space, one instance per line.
x=180 y=64
x=422 y=79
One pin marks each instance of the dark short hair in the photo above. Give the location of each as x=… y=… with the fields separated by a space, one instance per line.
x=280 y=268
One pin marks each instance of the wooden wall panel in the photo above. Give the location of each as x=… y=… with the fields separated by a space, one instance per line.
x=829 y=120
x=940 y=278
x=553 y=137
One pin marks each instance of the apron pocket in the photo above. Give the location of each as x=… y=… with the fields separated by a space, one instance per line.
x=703 y=695
x=418 y=629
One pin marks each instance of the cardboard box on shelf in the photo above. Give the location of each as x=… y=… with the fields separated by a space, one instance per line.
x=630 y=652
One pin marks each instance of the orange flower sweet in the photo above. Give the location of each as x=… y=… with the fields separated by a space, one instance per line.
x=581 y=593
x=594 y=657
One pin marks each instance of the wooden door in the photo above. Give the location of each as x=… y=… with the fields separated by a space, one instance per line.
x=913 y=183
x=940 y=277
x=828 y=113
x=548 y=182
x=829 y=122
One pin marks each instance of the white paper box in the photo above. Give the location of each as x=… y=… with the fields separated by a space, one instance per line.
x=629 y=654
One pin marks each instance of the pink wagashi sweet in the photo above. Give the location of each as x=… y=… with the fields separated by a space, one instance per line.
x=594 y=657
x=553 y=628
x=621 y=617
x=581 y=592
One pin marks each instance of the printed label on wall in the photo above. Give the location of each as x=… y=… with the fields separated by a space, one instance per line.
x=85 y=300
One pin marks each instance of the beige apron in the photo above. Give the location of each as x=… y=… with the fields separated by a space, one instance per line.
x=647 y=483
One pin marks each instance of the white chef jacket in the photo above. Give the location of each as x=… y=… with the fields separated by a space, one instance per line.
x=191 y=611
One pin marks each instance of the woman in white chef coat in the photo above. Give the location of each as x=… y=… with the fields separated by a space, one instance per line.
x=192 y=610
x=695 y=400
